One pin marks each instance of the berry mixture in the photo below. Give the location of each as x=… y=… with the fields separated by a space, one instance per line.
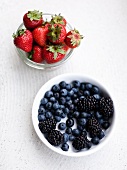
x=46 y=41
x=75 y=115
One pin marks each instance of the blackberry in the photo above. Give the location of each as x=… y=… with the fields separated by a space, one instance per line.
x=81 y=142
x=106 y=107
x=55 y=137
x=93 y=127
x=86 y=104
x=47 y=125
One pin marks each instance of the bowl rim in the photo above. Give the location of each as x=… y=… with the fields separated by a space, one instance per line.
x=35 y=119
x=43 y=65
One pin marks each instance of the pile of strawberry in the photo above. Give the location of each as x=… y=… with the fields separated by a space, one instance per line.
x=45 y=40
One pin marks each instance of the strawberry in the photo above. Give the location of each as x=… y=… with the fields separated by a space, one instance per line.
x=36 y=54
x=40 y=35
x=73 y=38
x=58 y=19
x=32 y=19
x=23 y=39
x=54 y=53
x=57 y=33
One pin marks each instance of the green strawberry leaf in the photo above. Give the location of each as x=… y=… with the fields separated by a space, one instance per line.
x=55 y=49
x=55 y=55
x=34 y=15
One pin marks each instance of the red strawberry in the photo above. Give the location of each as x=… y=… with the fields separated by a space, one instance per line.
x=40 y=35
x=58 y=19
x=73 y=38
x=57 y=33
x=54 y=53
x=32 y=19
x=23 y=40
x=36 y=54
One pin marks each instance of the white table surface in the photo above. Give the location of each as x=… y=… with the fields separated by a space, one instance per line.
x=101 y=56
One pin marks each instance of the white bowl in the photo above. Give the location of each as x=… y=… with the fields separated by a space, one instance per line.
x=47 y=86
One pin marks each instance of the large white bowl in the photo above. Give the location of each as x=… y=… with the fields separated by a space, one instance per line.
x=47 y=86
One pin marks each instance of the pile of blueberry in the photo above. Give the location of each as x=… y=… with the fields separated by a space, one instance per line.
x=76 y=113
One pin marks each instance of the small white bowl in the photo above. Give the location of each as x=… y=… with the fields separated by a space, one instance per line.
x=47 y=86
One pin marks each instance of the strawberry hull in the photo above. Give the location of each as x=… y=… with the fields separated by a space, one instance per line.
x=49 y=56
x=32 y=19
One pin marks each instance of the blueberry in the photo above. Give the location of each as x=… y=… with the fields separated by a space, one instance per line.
x=41 y=117
x=89 y=86
x=44 y=101
x=101 y=121
x=82 y=97
x=76 y=83
x=95 y=90
x=68 y=98
x=76 y=132
x=63 y=115
x=75 y=96
x=71 y=138
x=83 y=115
x=52 y=99
x=84 y=133
x=97 y=96
x=101 y=135
x=56 y=106
x=75 y=90
x=69 y=122
x=71 y=106
x=41 y=110
x=80 y=93
x=56 y=95
x=89 y=115
x=62 y=100
x=57 y=118
x=62 y=106
x=68 y=86
x=70 y=93
x=86 y=93
x=56 y=88
x=95 y=140
x=76 y=114
x=68 y=130
x=98 y=115
x=75 y=101
x=82 y=121
x=49 y=105
x=48 y=115
x=65 y=137
x=81 y=128
x=89 y=145
x=70 y=115
x=65 y=147
x=68 y=103
x=63 y=92
x=49 y=94
x=62 y=126
x=58 y=112
x=66 y=110
x=62 y=84
x=82 y=86
x=105 y=125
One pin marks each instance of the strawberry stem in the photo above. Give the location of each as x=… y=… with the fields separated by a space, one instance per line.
x=18 y=33
x=34 y=15
x=56 y=49
x=54 y=32
x=57 y=19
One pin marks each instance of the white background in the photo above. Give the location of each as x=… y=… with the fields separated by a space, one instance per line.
x=102 y=56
